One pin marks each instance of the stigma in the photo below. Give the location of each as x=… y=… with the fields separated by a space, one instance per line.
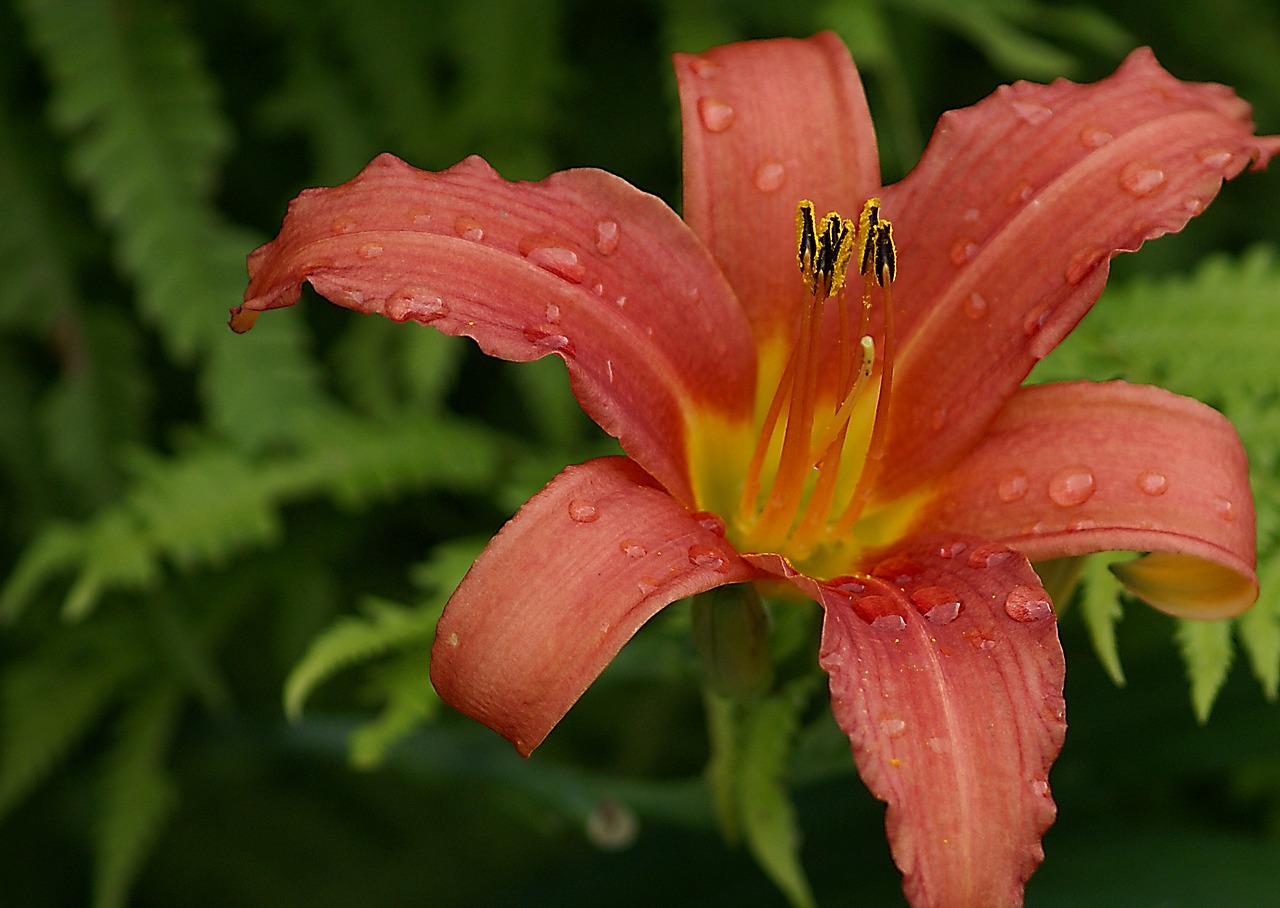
x=809 y=478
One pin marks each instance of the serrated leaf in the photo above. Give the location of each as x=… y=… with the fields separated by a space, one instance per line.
x=409 y=702
x=1259 y=628
x=1101 y=609
x=1207 y=650
x=383 y=627
x=138 y=795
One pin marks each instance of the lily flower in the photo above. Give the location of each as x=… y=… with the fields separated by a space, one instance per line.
x=830 y=403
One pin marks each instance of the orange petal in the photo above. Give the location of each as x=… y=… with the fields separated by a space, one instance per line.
x=562 y=587
x=581 y=265
x=1006 y=228
x=766 y=124
x=1079 y=467
x=946 y=674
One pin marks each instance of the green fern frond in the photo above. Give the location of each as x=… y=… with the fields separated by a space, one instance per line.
x=383 y=627
x=52 y=697
x=133 y=97
x=1101 y=609
x=1259 y=628
x=1208 y=650
x=409 y=701
x=138 y=795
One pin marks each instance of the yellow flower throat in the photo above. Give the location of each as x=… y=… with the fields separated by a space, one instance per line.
x=808 y=481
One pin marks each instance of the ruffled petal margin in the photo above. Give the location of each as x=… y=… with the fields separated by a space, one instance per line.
x=1073 y=468
x=581 y=265
x=562 y=587
x=766 y=124
x=946 y=673
x=1006 y=227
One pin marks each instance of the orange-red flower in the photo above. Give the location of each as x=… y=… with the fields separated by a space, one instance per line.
x=853 y=429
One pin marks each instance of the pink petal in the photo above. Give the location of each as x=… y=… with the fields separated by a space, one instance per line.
x=766 y=124
x=1006 y=227
x=1073 y=468
x=581 y=265
x=946 y=673
x=562 y=587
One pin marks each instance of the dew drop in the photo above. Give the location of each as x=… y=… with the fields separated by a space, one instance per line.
x=1071 y=486
x=1084 y=262
x=716 y=115
x=1192 y=205
x=607 y=235
x=951 y=549
x=851 y=585
x=1027 y=603
x=1141 y=179
x=468 y=228
x=938 y=745
x=1032 y=112
x=632 y=548
x=1013 y=486
x=1225 y=509
x=608 y=368
x=975 y=307
x=710 y=522
x=369 y=251
x=990 y=555
x=1020 y=194
x=1153 y=483
x=889 y=623
x=1040 y=788
x=1054 y=709
x=938 y=419
x=1094 y=137
x=1082 y=523
x=706 y=556
x=550 y=254
x=343 y=224
x=549 y=338
x=963 y=251
x=583 y=510
x=416 y=303
x=943 y=613
x=703 y=68
x=622 y=302
x=893 y=728
x=770 y=176
x=1034 y=320
x=553 y=314
x=971 y=215
x=1215 y=157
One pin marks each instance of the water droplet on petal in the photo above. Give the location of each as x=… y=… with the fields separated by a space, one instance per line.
x=607 y=235
x=1020 y=194
x=951 y=549
x=938 y=604
x=553 y=314
x=548 y=337
x=850 y=585
x=989 y=555
x=583 y=510
x=975 y=307
x=1013 y=486
x=1032 y=112
x=622 y=302
x=1192 y=205
x=710 y=521
x=963 y=251
x=369 y=251
x=1027 y=603
x=1040 y=788
x=703 y=68
x=1225 y=509
x=971 y=215
x=1084 y=262
x=889 y=623
x=1153 y=483
x=770 y=176
x=1215 y=157
x=1054 y=709
x=706 y=556
x=1141 y=179
x=632 y=548
x=938 y=745
x=894 y=728
x=716 y=115
x=1034 y=320
x=1082 y=523
x=1094 y=137
x=1071 y=486
x=468 y=228
x=550 y=254
x=344 y=223
x=416 y=303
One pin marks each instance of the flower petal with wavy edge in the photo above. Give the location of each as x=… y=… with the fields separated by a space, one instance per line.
x=1078 y=467
x=581 y=265
x=562 y=587
x=1006 y=226
x=946 y=674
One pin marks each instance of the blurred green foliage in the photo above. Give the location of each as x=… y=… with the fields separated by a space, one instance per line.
x=224 y=556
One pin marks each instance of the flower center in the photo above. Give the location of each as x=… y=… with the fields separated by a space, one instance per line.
x=808 y=480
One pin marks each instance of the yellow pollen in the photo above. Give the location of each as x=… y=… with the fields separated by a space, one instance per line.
x=809 y=476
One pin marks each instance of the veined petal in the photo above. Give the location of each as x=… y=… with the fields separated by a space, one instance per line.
x=581 y=265
x=1078 y=467
x=1006 y=227
x=562 y=587
x=766 y=124
x=946 y=674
